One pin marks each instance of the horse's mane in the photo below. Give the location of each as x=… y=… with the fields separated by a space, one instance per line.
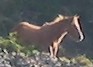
x=56 y=20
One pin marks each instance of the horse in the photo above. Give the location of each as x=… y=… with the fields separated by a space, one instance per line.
x=50 y=34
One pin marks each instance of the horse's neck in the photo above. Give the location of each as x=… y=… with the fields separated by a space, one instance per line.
x=56 y=29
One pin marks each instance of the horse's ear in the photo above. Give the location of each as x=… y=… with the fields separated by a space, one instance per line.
x=60 y=16
x=76 y=16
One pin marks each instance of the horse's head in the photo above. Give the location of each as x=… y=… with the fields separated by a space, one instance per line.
x=76 y=30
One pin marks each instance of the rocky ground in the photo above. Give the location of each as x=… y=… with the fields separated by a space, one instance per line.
x=40 y=60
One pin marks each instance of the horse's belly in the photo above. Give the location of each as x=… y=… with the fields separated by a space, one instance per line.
x=35 y=38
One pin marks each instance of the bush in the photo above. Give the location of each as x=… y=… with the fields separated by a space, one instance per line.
x=10 y=43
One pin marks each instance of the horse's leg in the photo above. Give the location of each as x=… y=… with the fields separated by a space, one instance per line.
x=55 y=48
x=57 y=43
x=51 y=51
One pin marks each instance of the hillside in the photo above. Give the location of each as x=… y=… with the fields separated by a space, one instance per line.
x=38 y=12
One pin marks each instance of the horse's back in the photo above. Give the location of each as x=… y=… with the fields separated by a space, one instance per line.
x=30 y=25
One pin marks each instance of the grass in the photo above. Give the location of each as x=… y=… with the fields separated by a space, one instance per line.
x=11 y=44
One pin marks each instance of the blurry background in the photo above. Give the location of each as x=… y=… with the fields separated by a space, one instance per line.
x=39 y=11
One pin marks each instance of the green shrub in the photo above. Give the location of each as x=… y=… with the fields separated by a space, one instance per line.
x=83 y=60
x=10 y=43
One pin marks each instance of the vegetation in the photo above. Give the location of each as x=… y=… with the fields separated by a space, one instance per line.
x=83 y=60
x=78 y=61
x=11 y=44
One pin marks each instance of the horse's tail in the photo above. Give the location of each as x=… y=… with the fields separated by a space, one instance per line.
x=17 y=27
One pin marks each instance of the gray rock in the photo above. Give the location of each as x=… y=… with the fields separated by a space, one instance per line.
x=39 y=60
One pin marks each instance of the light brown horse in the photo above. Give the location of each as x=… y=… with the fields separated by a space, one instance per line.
x=50 y=34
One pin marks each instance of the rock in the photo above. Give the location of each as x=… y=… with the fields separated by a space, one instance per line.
x=58 y=64
x=38 y=60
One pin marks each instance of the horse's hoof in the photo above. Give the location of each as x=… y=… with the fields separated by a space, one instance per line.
x=54 y=58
